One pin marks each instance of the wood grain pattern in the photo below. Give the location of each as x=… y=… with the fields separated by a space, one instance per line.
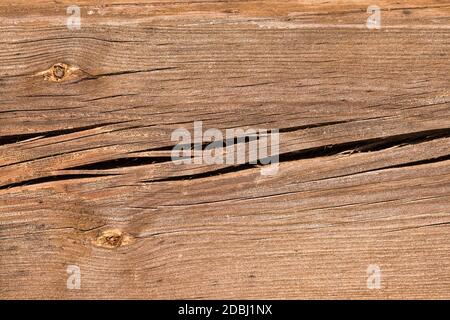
x=86 y=176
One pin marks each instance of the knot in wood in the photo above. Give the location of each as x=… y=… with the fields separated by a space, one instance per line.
x=112 y=238
x=59 y=71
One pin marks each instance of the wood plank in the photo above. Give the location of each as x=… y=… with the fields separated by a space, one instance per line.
x=87 y=179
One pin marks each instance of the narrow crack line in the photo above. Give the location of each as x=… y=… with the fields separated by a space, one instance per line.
x=89 y=77
x=119 y=73
x=69 y=38
x=88 y=136
x=11 y=139
x=419 y=227
x=54 y=178
x=60 y=154
x=253 y=85
x=75 y=228
x=313 y=125
x=55 y=229
x=110 y=97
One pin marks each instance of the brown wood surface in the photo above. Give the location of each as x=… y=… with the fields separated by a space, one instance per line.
x=86 y=176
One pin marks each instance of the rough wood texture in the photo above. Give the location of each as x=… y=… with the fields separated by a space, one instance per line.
x=86 y=177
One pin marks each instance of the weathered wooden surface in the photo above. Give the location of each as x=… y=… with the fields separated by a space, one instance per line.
x=85 y=124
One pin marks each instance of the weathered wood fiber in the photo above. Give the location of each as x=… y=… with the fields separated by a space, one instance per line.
x=86 y=177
